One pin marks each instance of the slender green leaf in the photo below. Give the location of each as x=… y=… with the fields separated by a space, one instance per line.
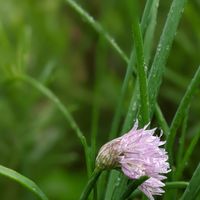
x=147 y=20
x=149 y=34
x=133 y=186
x=29 y=184
x=180 y=112
x=176 y=185
x=150 y=7
x=165 y=43
x=48 y=93
x=193 y=189
x=141 y=72
x=91 y=184
x=97 y=27
x=117 y=115
x=99 y=74
x=186 y=157
x=176 y=78
x=182 y=137
x=161 y=120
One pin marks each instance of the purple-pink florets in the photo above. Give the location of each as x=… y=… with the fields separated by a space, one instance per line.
x=138 y=153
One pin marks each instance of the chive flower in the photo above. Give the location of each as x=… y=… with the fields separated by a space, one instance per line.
x=138 y=153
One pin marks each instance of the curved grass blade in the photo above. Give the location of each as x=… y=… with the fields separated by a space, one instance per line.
x=150 y=7
x=49 y=94
x=180 y=112
x=91 y=184
x=186 y=157
x=150 y=30
x=193 y=189
x=176 y=185
x=133 y=186
x=182 y=137
x=161 y=120
x=165 y=43
x=29 y=184
x=97 y=27
x=141 y=72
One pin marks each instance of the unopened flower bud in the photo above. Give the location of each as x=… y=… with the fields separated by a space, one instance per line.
x=108 y=156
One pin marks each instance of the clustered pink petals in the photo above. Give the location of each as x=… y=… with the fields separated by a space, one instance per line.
x=138 y=153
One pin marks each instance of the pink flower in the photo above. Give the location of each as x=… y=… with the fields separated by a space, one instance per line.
x=137 y=153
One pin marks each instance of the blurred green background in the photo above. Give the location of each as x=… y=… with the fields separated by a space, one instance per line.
x=49 y=41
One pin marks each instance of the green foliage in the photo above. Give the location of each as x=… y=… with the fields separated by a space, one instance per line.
x=67 y=87
x=193 y=189
x=22 y=180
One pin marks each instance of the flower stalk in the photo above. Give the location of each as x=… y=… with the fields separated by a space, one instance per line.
x=133 y=186
x=91 y=184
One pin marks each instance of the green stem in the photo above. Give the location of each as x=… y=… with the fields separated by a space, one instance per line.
x=186 y=157
x=182 y=138
x=24 y=181
x=165 y=43
x=180 y=112
x=98 y=28
x=141 y=71
x=117 y=115
x=161 y=120
x=133 y=186
x=91 y=184
x=176 y=185
x=48 y=93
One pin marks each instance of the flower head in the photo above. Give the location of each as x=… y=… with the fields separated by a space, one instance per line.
x=137 y=153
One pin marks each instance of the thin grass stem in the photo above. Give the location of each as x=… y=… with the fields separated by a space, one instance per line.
x=141 y=71
x=48 y=93
x=90 y=185
x=161 y=120
x=186 y=157
x=97 y=27
x=164 y=46
x=180 y=113
x=182 y=137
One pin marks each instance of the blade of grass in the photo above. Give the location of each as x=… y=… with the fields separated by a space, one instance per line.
x=180 y=112
x=176 y=78
x=49 y=94
x=182 y=137
x=193 y=189
x=117 y=116
x=90 y=185
x=149 y=34
x=186 y=157
x=161 y=120
x=165 y=43
x=150 y=7
x=156 y=72
x=130 y=115
x=176 y=185
x=141 y=71
x=97 y=27
x=100 y=63
x=133 y=186
x=29 y=184
x=132 y=110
